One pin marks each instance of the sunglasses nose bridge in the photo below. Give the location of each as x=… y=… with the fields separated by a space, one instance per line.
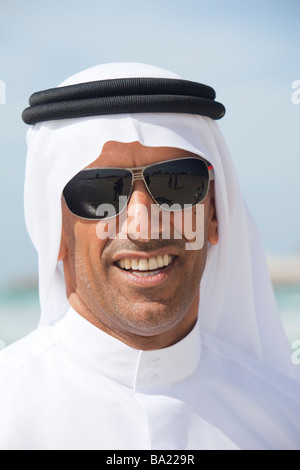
x=137 y=174
x=136 y=222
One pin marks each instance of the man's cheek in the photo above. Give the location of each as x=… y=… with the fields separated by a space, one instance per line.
x=106 y=229
x=191 y=226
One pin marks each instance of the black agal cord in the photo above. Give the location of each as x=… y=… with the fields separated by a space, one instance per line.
x=124 y=95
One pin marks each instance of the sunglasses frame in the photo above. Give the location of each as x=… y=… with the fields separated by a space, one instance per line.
x=138 y=175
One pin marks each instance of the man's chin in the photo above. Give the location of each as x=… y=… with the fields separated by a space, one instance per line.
x=152 y=323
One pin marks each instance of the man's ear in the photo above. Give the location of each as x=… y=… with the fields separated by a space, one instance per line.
x=212 y=232
x=63 y=249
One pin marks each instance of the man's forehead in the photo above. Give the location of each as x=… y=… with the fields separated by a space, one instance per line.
x=131 y=154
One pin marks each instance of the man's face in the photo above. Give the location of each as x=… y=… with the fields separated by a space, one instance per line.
x=145 y=309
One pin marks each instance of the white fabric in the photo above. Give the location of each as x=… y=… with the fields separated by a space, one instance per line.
x=51 y=383
x=78 y=388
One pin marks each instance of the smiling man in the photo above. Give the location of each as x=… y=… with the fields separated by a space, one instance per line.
x=146 y=340
x=144 y=292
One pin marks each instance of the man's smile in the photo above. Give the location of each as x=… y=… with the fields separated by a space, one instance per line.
x=142 y=264
x=146 y=269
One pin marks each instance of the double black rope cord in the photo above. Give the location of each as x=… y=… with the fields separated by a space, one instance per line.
x=124 y=95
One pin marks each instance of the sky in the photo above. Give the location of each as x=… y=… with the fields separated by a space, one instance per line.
x=247 y=50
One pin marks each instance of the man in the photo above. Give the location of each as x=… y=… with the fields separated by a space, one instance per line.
x=146 y=340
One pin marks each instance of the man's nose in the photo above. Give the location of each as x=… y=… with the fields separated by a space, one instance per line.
x=135 y=223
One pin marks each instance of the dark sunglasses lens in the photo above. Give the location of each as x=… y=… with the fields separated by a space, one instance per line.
x=180 y=182
x=90 y=193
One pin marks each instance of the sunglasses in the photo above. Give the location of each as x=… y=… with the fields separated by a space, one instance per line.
x=172 y=184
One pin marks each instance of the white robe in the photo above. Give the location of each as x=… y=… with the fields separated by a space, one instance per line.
x=72 y=386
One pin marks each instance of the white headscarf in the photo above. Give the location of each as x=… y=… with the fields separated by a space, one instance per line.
x=236 y=298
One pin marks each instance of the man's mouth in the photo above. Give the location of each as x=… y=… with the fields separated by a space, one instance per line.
x=145 y=267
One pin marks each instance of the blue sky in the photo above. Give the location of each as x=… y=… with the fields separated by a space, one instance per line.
x=247 y=50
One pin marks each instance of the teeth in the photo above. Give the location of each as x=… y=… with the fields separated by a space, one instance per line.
x=160 y=262
x=127 y=263
x=166 y=260
x=145 y=264
x=153 y=264
x=134 y=264
x=122 y=263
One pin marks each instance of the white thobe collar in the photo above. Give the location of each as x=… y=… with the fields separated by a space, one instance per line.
x=131 y=367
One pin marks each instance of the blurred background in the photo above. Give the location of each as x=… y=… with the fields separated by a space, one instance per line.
x=248 y=51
